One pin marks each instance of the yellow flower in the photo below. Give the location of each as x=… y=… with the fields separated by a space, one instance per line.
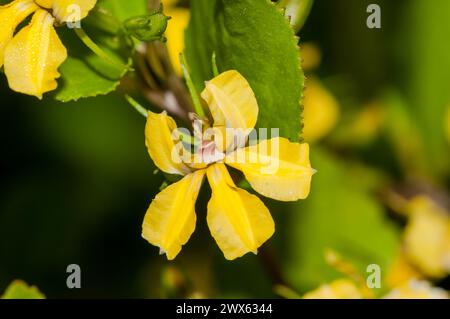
x=175 y=31
x=364 y=126
x=31 y=57
x=415 y=289
x=311 y=56
x=347 y=289
x=401 y=271
x=338 y=289
x=238 y=221
x=427 y=237
x=321 y=109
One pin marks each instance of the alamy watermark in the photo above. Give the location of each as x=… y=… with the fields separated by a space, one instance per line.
x=373 y=280
x=74 y=278
x=374 y=19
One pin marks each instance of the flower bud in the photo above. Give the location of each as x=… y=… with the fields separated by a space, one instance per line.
x=147 y=28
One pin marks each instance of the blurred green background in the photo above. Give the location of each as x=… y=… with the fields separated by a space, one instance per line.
x=76 y=178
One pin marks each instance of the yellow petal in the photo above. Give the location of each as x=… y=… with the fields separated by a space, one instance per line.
x=169 y=3
x=238 y=221
x=401 y=271
x=275 y=168
x=170 y=219
x=427 y=237
x=33 y=56
x=311 y=55
x=11 y=15
x=364 y=126
x=45 y=3
x=161 y=146
x=231 y=101
x=417 y=289
x=338 y=289
x=68 y=10
x=175 y=34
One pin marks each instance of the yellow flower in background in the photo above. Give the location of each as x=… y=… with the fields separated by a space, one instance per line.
x=427 y=237
x=238 y=221
x=347 y=289
x=364 y=126
x=338 y=289
x=310 y=55
x=320 y=107
x=321 y=111
x=415 y=289
x=401 y=271
x=175 y=31
x=31 y=57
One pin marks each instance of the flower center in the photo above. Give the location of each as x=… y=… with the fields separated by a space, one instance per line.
x=209 y=152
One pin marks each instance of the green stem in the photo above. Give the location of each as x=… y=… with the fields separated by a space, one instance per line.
x=138 y=107
x=189 y=139
x=97 y=50
x=286 y=292
x=214 y=64
x=191 y=87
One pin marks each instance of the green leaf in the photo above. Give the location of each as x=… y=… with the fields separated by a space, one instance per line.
x=125 y=9
x=341 y=216
x=84 y=74
x=20 y=290
x=254 y=38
